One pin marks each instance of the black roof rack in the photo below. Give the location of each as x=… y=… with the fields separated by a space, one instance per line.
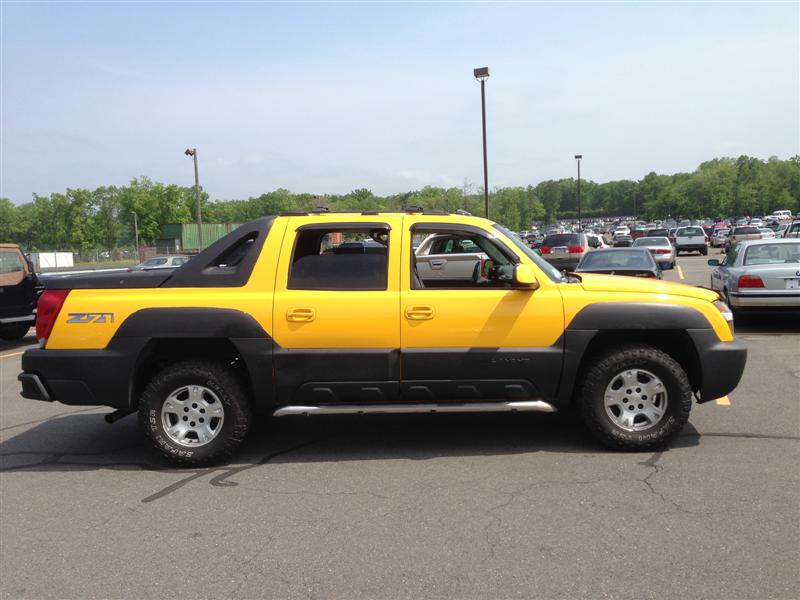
x=406 y=209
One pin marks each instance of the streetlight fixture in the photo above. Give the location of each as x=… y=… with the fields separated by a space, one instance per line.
x=578 y=158
x=193 y=153
x=482 y=74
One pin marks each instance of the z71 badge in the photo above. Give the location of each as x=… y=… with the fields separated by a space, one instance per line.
x=90 y=318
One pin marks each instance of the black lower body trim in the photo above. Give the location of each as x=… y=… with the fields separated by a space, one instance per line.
x=721 y=364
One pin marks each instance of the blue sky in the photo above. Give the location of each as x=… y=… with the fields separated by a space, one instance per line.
x=330 y=97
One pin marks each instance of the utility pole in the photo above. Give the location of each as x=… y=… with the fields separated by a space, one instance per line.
x=193 y=153
x=482 y=74
x=578 y=158
x=136 y=234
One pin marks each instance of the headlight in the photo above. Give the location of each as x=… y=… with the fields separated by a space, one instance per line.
x=726 y=312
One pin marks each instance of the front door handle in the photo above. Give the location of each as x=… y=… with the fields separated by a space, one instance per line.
x=437 y=264
x=419 y=313
x=300 y=315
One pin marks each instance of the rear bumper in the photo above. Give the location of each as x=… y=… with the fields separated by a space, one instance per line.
x=690 y=247
x=765 y=299
x=721 y=364
x=81 y=377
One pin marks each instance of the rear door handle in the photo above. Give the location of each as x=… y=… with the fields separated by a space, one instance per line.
x=419 y=313
x=437 y=264
x=300 y=315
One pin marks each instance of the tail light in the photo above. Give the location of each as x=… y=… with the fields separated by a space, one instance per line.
x=663 y=251
x=750 y=281
x=47 y=309
x=545 y=250
x=484 y=264
x=574 y=249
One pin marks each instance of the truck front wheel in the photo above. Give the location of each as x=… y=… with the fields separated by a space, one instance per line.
x=635 y=398
x=195 y=413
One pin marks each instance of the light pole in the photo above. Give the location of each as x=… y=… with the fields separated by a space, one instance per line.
x=193 y=153
x=482 y=74
x=578 y=158
x=136 y=234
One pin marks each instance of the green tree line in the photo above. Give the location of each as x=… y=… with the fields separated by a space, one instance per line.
x=80 y=219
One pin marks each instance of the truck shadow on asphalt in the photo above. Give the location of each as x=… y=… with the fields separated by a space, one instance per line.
x=11 y=345
x=78 y=442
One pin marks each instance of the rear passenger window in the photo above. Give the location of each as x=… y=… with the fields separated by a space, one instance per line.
x=340 y=259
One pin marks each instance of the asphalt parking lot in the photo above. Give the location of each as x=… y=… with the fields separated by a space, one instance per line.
x=445 y=506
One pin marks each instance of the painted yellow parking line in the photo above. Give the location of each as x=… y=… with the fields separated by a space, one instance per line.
x=724 y=401
x=680 y=271
x=10 y=355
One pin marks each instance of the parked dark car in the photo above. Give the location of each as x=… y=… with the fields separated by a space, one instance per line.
x=660 y=232
x=635 y=262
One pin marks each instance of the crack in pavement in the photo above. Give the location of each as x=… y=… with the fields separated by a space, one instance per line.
x=222 y=480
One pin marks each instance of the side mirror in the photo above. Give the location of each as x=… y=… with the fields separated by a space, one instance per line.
x=524 y=278
x=713 y=262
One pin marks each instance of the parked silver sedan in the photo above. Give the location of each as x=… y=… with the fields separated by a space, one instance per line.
x=661 y=249
x=759 y=274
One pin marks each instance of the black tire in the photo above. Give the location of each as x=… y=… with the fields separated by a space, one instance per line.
x=600 y=373
x=238 y=415
x=16 y=331
x=704 y=251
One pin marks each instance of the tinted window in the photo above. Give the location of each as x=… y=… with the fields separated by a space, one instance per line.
x=745 y=230
x=621 y=259
x=652 y=241
x=772 y=254
x=562 y=239
x=154 y=262
x=658 y=232
x=340 y=259
x=10 y=262
x=690 y=231
x=453 y=245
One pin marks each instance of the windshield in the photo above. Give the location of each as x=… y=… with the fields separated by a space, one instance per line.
x=545 y=266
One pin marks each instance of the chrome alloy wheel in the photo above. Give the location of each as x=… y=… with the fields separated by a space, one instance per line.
x=192 y=415
x=635 y=400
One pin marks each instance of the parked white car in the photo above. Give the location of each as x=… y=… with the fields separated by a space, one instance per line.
x=691 y=239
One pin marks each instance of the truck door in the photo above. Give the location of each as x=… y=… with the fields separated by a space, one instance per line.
x=473 y=338
x=336 y=318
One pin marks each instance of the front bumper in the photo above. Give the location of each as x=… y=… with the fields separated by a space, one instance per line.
x=721 y=364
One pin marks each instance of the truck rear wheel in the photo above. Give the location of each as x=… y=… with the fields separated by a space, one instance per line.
x=195 y=413
x=635 y=398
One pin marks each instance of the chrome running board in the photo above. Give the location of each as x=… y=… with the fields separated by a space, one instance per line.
x=472 y=407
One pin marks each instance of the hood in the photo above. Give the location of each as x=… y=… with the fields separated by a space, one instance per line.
x=640 y=285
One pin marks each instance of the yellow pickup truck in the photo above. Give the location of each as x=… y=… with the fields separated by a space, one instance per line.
x=327 y=313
